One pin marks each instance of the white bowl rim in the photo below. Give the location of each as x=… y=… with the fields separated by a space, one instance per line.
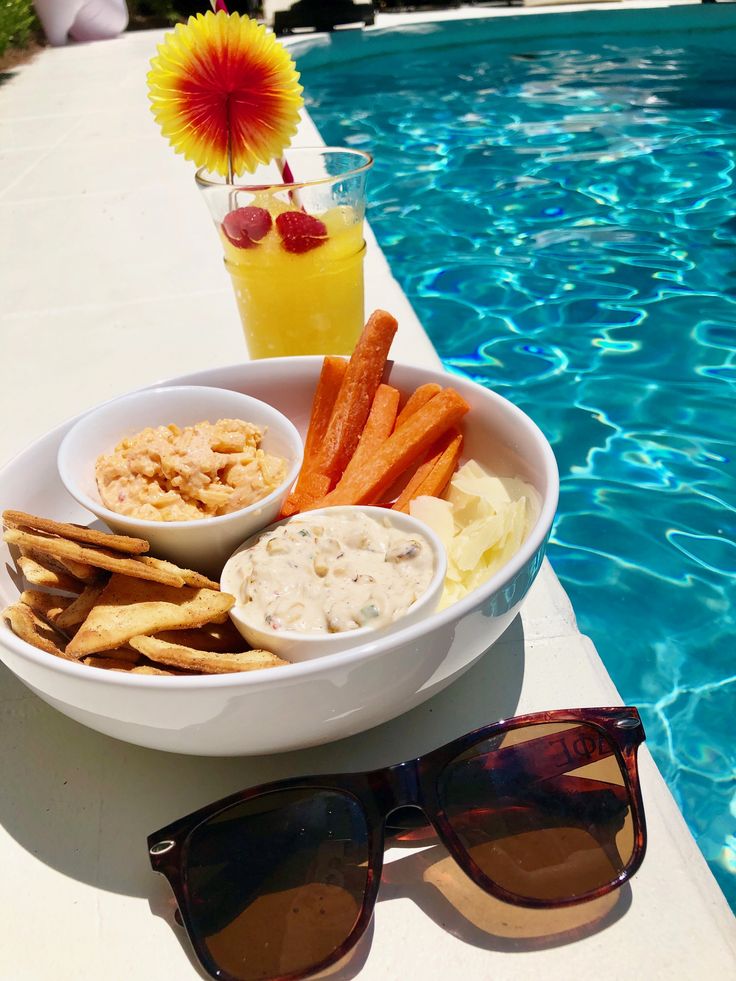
x=372 y=511
x=99 y=509
x=293 y=671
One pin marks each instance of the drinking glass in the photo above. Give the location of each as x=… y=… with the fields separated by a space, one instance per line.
x=292 y=235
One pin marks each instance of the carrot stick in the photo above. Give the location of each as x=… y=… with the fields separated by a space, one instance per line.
x=314 y=486
x=330 y=380
x=438 y=477
x=420 y=474
x=358 y=389
x=378 y=428
x=411 y=489
x=419 y=397
x=403 y=447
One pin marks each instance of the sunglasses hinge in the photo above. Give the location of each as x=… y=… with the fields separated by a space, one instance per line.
x=627 y=723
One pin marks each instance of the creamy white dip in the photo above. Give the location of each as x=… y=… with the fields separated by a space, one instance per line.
x=326 y=574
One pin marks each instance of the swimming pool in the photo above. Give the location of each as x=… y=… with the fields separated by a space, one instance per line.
x=562 y=215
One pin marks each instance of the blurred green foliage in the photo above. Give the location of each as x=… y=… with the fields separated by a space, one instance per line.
x=159 y=10
x=18 y=24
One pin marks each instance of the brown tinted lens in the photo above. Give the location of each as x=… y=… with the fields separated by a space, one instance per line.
x=276 y=884
x=543 y=810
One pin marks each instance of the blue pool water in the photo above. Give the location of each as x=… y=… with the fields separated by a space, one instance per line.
x=562 y=215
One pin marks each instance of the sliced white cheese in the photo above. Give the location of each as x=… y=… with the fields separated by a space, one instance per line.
x=482 y=522
x=436 y=513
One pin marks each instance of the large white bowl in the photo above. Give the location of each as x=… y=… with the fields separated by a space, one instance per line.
x=315 y=701
x=203 y=543
x=294 y=646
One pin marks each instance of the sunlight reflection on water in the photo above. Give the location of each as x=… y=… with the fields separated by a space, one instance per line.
x=564 y=222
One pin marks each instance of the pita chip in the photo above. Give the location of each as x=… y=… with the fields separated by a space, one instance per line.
x=75 y=533
x=130 y=607
x=30 y=628
x=205 y=662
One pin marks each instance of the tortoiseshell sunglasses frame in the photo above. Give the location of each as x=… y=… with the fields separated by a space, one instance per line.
x=412 y=783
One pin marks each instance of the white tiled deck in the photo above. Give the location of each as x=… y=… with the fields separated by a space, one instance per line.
x=111 y=278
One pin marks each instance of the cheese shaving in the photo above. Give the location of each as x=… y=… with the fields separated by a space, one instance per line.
x=482 y=521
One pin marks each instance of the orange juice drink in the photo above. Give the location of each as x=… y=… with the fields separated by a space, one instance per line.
x=294 y=249
x=298 y=293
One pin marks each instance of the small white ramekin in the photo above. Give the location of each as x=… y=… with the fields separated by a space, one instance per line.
x=295 y=645
x=205 y=543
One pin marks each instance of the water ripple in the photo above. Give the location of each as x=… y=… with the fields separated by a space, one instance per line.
x=564 y=221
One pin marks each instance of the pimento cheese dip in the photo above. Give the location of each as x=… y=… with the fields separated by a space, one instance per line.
x=330 y=573
x=171 y=474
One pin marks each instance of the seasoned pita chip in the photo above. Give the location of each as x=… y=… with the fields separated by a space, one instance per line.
x=86 y=574
x=220 y=637
x=124 y=653
x=190 y=577
x=45 y=605
x=150 y=669
x=129 y=607
x=40 y=573
x=82 y=571
x=206 y=662
x=78 y=611
x=60 y=548
x=76 y=533
x=30 y=628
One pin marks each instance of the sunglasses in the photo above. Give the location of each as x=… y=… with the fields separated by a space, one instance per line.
x=280 y=881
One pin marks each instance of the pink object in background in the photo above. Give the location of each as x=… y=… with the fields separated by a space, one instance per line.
x=81 y=20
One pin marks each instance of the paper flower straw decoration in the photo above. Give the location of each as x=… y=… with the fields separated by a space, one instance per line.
x=225 y=93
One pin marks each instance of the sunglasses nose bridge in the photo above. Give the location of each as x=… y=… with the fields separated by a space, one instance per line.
x=402 y=786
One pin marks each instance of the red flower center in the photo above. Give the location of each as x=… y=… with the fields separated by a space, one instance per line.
x=229 y=92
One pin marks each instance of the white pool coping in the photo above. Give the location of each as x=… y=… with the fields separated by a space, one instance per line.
x=111 y=278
